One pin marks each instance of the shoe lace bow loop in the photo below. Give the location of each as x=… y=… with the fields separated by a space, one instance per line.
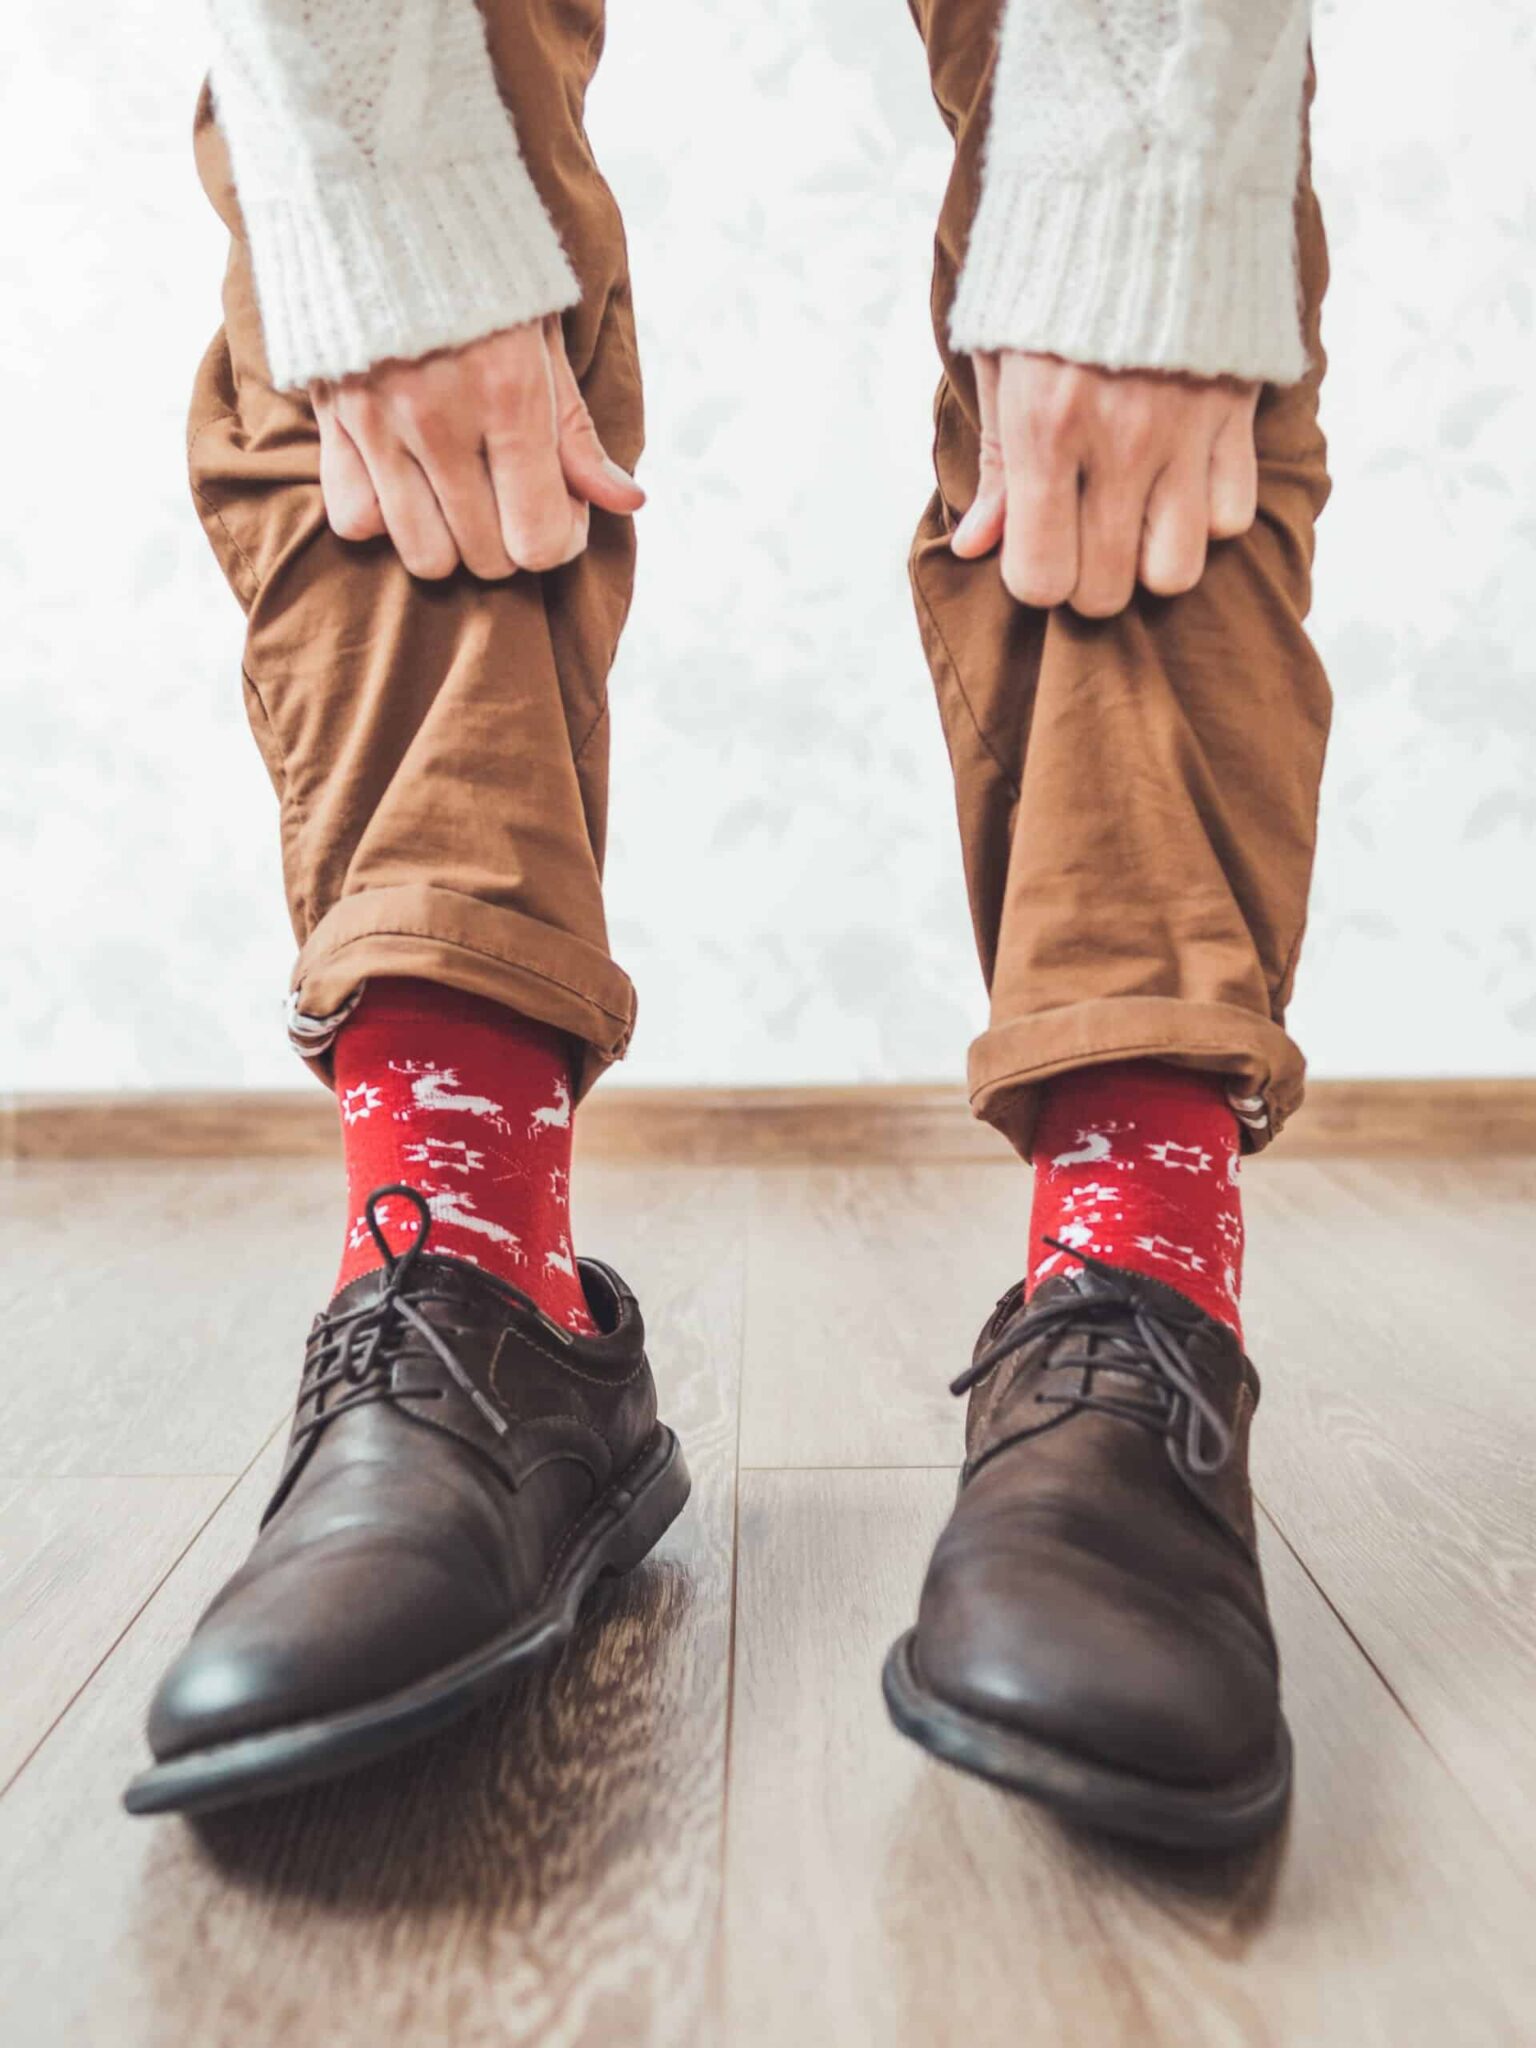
x=354 y=1352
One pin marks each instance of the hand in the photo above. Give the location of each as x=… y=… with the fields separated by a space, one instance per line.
x=1094 y=479
x=484 y=455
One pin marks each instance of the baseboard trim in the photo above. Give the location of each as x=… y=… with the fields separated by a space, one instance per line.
x=753 y=1125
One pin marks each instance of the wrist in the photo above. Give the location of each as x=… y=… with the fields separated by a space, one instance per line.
x=394 y=262
x=1140 y=268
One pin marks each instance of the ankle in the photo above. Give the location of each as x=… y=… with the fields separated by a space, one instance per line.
x=471 y=1104
x=1136 y=1163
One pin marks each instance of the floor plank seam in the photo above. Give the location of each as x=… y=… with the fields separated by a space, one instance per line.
x=717 y=1971
x=132 y=1622
x=943 y=1465
x=168 y=1477
x=1393 y=1694
x=1333 y=1609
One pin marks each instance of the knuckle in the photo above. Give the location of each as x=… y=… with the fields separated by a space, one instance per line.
x=1135 y=437
x=1230 y=523
x=431 y=562
x=520 y=444
x=512 y=389
x=489 y=565
x=1064 y=404
x=1175 y=580
x=428 y=421
x=575 y=422
x=1053 y=427
x=354 y=522
x=540 y=554
x=1096 y=604
x=1027 y=586
x=360 y=412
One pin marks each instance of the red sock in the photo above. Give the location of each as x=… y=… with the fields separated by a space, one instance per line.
x=471 y=1103
x=1137 y=1164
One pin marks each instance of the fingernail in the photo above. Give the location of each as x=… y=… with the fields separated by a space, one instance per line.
x=619 y=474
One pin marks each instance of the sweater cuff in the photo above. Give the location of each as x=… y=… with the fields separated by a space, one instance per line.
x=1141 y=269
x=352 y=270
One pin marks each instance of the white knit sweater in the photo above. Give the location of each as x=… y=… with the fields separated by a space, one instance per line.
x=1135 y=211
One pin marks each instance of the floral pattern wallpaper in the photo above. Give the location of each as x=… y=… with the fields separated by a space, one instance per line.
x=784 y=880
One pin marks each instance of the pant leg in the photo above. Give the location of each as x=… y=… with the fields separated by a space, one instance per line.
x=440 y=751
x=1137 y=796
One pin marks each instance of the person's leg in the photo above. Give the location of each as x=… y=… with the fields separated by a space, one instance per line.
x=1137 y=800
x=1137 y=796
x=476 y=1438
x=439 y=750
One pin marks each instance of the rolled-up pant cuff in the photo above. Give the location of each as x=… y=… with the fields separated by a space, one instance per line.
x=429 y=934
x=1262 y=1065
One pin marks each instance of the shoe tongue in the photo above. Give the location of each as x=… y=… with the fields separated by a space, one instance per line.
x=357 y=1293
x=1088 y=1285
x=433 y=1266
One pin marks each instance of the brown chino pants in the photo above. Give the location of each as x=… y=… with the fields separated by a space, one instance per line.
x=1137 y=796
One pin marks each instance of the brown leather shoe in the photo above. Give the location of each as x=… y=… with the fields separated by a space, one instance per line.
x=1092 y=1630
x=461 y=1471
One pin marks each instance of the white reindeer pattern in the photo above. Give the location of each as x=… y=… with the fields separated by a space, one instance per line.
x=453 y=1206
x=1092 y=1147
x=430 y=1086
x=556 y=1116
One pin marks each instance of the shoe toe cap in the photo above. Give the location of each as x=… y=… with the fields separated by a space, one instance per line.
x=1075 y=1651
x=312 y=1637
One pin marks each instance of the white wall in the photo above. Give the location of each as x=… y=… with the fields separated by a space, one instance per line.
x=784 y=881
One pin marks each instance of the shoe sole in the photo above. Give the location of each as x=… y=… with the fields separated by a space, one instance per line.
x=620 y=1529
x=1094 y=1795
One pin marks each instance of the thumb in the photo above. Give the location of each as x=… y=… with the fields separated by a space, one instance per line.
x=590 y=471
x=982 y=527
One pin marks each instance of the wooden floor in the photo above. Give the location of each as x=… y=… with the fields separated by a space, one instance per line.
x=700 y=1828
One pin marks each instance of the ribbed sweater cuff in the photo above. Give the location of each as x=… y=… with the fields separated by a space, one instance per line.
x=1136 y=270
x=401 y=262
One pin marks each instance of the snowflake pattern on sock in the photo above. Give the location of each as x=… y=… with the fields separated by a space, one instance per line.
x=1189 y=1158
x=359 y=1102
x=1137 y=1165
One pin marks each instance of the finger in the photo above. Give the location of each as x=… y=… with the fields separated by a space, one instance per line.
x=461 y=484
x=542 y=526
x=1174 y=533
x=412 y=517
x=351 y=503
x=589 y=470
x=1234 y=476
x=982 y=527
x=1042 y=458
x=539 y=524
x=1114 y=509
x=1042 y=538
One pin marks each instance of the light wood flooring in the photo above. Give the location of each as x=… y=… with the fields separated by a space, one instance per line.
x=700 y=1828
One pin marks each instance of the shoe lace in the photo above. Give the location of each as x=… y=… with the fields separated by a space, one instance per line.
x=354 y=1352
x=1123 y=1334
